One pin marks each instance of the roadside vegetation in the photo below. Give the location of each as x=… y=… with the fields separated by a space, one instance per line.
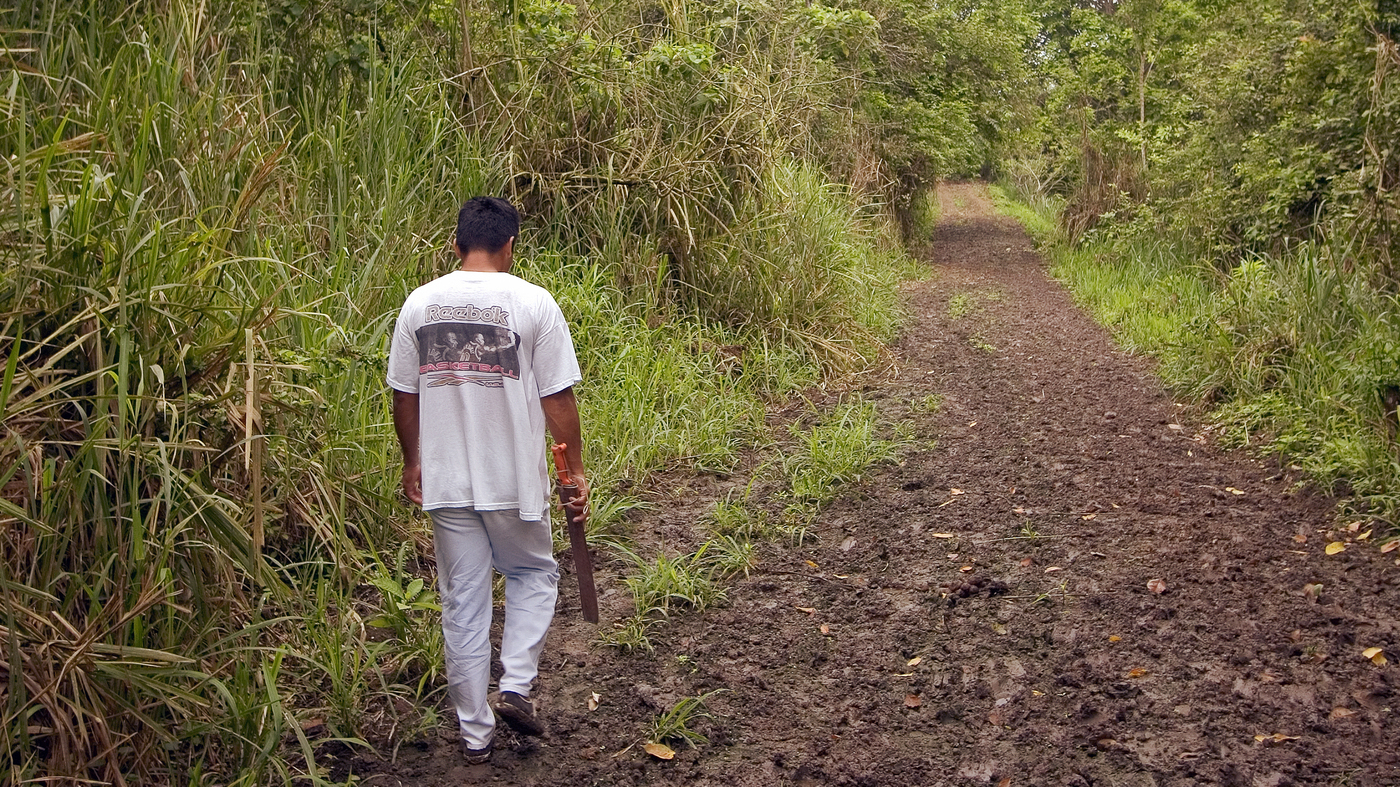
x=1218 y=185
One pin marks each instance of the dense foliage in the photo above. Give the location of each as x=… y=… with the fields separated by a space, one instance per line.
x=210 y=214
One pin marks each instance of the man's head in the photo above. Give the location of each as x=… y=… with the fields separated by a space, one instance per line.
x=486 y=224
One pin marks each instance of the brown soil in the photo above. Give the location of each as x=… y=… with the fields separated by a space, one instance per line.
x=1062 y=469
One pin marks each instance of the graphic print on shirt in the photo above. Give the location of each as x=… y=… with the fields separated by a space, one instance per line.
x=467 y=353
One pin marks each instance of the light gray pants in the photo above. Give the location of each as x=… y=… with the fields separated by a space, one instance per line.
x=469 y=543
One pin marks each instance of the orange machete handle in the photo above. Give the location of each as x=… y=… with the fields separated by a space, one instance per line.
x=561 y=463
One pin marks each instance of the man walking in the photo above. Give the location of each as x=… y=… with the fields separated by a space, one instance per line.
x=473 y=440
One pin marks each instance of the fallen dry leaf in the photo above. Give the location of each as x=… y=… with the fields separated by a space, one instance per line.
x=1390 y=547
x=1341 y=713
x=942 y=535
x=1157 y=586
x=1365 y=535
x=1037 y=693
x=1005 y=782
x=1300 y=538
x=810 y=563
x=1137 y=672
x=311 y=724
x=593 y=700
x=1114 y=638
x=997 y=718
x=1053 y=569
x=1027 y=562
x=808 y=610
x=1277 y=737
x=955 y=491
x=1369 y=700
x=1335 y=547
x=659 y=750
x=825 y=629
x=1088 y=516
x=912 y=701
x=1234 y=491
x=914 y=662
x=1353 y=526
x=965 y=569
x=1376 y=655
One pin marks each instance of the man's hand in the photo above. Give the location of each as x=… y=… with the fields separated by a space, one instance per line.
x=413 y=482
x=578 y=509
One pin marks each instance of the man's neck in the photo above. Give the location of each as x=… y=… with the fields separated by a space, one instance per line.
x=480 y=261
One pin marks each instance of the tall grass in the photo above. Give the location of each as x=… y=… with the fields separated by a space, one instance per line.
x=204 y=552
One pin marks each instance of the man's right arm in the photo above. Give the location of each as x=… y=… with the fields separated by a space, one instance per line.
x=561 y=416
x=406 y=427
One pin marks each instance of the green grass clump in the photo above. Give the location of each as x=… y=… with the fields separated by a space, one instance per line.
x=630 y=635
x=735 y=517
x=929 y=403
x=683 y=582
x=689 y=581
x=961 y=305
x=674 y=724
x=836 y=451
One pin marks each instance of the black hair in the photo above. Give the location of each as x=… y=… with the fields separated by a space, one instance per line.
x=486 y=223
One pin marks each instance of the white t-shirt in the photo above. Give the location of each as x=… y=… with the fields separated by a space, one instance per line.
x=480 y=350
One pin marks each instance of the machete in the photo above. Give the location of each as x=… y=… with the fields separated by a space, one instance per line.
x=578 y=539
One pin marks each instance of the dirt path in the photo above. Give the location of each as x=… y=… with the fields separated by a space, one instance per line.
x=1078 y=481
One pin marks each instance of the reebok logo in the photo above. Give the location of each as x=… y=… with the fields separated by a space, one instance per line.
x=492 y=314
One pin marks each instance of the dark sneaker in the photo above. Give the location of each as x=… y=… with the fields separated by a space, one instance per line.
x=518 y=712
x=476 y=756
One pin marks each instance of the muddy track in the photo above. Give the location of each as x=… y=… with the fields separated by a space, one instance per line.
x=1078 y=481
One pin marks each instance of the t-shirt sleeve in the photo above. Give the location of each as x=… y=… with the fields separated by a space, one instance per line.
x=403 y=355
x=555 y=364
